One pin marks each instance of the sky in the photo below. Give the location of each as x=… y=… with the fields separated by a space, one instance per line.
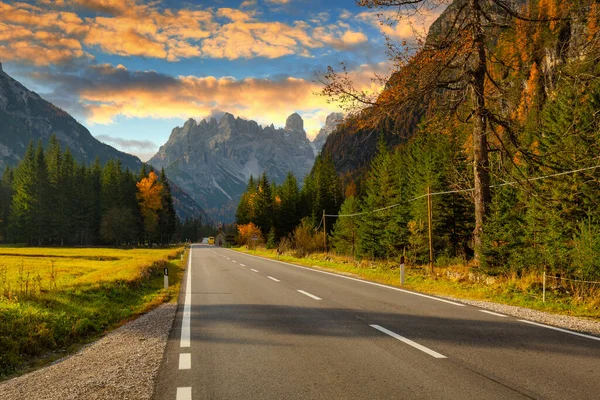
x=131 y=71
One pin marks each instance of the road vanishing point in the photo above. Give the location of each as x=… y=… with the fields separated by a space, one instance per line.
x=252 y=328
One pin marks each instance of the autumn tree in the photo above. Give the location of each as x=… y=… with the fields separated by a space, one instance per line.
x=149 y=196
x=246 y=231
x=456 y=68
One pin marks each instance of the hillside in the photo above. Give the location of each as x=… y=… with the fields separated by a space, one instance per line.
x=25 y=116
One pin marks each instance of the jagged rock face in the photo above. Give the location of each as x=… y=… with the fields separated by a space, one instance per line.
x=213 y=161
x=25 y=116
x=294 y=123
x=331 y=123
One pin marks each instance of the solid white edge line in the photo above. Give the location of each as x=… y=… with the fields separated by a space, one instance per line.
x=309 y=295
x=493 y=313
x=409 y=342
x=185 y=361
x=184 y=393
x=187 y=308
x=253 y=270
x=561 y=330
x=361 y=281
x=273 y=279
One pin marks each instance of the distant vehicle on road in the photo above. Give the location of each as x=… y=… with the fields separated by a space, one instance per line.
x=211 y=240
x=204 y=240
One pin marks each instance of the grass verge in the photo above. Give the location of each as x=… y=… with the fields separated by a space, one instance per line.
x=456 y=281
x=53 y=300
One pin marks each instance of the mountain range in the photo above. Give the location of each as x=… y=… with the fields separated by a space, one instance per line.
x=213 y=160
x=26 y=117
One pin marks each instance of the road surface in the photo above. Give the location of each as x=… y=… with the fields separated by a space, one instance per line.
x=250 y=328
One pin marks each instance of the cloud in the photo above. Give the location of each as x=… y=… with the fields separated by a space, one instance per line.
x=400 y=28
x=248 y=3
x=31 y=34
x=106 y=92
x=128 y=144
x=278 y=1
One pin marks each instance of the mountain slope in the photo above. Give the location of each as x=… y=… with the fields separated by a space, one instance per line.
x=25 y=116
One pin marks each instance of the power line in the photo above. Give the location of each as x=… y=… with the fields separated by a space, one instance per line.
x=537 y=178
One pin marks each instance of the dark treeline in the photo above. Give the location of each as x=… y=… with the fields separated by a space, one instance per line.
x=51 y=199
x=280 y=208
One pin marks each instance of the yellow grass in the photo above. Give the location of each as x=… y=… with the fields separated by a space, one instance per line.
x=74 y=267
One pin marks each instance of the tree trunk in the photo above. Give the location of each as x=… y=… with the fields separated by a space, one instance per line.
x=480 y=147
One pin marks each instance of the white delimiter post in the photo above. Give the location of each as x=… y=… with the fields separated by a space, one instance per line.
x=402 y=271
x=166 y=278
x=544 y=289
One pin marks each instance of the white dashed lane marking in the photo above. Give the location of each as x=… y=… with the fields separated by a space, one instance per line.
x=185 y=361
x=312 y=296
x=409 y=342
x=273 y=279
x=184 y=393
x=493 y=313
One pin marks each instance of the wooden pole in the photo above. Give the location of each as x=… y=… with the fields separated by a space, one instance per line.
x=324 y=233
x=429 y=220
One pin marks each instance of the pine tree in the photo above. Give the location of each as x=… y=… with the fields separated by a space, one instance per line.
x=382 y=233
x=289 y=212
x=345 y=237
x=167 y=217
x=41 y=206
x=264 y=205
x=6 y=193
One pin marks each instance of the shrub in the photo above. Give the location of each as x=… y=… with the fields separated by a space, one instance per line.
x=306 y=240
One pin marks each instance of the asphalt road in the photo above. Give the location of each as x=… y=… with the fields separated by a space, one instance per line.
x=260 y=329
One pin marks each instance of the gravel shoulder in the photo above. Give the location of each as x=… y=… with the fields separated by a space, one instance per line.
x=560 y=321
x=121 y=365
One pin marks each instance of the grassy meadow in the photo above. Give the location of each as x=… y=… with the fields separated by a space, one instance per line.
x=459 y=281
x=54 y=299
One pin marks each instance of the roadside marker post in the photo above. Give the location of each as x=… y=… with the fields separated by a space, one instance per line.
x=166 y=271
x=401 y=270
x=544 y=289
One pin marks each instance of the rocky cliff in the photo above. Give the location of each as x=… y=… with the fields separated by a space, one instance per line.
x=332 y=121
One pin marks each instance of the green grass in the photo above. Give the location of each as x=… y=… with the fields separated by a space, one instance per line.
x=53 y=300
x=456 y=281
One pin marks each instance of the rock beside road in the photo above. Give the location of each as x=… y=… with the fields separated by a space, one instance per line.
x=121 y=365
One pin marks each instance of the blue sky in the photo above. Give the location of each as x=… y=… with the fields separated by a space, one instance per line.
x=130 y=71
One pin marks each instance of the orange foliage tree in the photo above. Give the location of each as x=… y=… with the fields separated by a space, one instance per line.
x=246 y=231
x=149 y=199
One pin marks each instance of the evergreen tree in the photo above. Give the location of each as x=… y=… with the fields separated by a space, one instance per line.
x=344 y=237
x=167 y=222
x=41 y=206
x=6 y=193
x=382 y=233
x=21 y=221
x=264 y=205
x=289 y=212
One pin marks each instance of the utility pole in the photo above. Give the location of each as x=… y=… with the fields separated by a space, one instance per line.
x=324 y=233
x=429 y=220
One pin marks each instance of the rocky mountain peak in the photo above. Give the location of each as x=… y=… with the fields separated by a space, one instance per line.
x=331 y=122
x=294 y=123
x=190 y=123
